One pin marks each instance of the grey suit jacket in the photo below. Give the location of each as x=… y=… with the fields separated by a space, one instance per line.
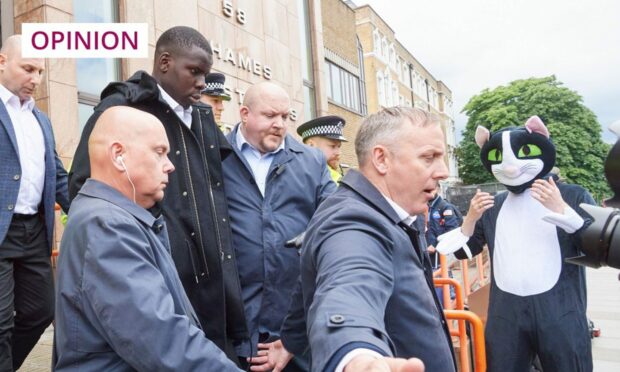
x=55 y=187
x=363 y=282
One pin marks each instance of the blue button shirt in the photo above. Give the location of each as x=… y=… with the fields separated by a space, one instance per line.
x=259 y=163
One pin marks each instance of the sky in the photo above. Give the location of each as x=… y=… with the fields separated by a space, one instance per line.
x=475 y=44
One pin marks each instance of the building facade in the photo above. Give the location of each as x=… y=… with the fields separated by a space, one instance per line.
x=331 y=56
x=395 y=77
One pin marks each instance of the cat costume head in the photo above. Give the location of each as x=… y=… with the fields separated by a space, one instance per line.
x=517 y=156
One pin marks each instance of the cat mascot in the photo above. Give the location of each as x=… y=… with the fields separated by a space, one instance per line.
x=537 y=303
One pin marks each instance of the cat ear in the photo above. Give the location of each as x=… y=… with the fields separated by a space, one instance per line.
x=482 y=135
x=534 y=124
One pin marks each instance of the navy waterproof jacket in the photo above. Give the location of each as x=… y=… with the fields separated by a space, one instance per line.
x=297 y=182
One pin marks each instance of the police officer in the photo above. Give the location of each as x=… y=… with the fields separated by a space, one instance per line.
x=214 y=95
x=325 y=133
x=442 y=217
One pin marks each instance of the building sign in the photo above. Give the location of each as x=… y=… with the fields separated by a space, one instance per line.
x=228 y=55
x=240 y=60
x=230 y=12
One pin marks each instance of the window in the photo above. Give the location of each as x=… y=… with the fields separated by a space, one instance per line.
x=94 y=74
x=384 y=50
x=306 y=60
x=362 y=80
x=6 y=20
x=344 y=88
x=380 y=88
x=377 y=42
x=394 y=101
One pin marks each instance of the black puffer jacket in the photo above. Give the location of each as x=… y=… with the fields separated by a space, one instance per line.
x=194 y=204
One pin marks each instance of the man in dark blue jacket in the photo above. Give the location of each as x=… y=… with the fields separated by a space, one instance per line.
x=273 y=184
x=366 y=277
x=121 y=305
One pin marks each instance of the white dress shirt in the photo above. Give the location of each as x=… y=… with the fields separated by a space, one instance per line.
x=184 y=114
x=31 y=146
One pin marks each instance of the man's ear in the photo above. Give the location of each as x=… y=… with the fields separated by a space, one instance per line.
x=379 y=157
x=3 y=60
x=115 y=152
x=243 y=113
x=164 y=61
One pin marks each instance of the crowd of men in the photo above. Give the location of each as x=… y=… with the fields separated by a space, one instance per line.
x=174 y=255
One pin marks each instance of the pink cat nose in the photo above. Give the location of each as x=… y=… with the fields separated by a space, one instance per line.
x=511 y=171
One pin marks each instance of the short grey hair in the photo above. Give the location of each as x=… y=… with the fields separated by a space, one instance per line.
x=387 y=126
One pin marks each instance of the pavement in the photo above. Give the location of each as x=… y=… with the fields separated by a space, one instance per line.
x=603 y=310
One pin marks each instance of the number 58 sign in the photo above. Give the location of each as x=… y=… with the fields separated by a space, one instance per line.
x=229 y=11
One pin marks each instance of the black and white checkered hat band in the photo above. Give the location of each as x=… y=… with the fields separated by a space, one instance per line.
x=214 y=86
x=324 y=130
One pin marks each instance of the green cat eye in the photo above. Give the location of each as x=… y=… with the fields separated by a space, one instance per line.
x=529 y=150
x=495 y=155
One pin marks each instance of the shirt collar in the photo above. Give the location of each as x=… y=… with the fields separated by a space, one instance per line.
x=174 y=104
x=240 y=141
x=6 y=96
x=402 y=214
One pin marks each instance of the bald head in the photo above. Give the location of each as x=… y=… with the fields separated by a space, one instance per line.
x=120 y=124
x=264 y=90
x=12 y=45
x=128 y=150
x=20 y=76
x=264 y=115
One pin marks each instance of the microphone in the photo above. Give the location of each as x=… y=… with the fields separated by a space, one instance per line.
x=280 y=168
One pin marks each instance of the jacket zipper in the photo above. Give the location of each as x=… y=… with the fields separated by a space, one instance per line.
x=213 y=210
x=191 y=185
x=191 y=259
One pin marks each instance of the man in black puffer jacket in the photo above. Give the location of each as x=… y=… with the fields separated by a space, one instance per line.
x=195 y=205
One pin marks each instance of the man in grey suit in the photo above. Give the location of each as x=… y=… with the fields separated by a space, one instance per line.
x=366 y=275
x=32 y=179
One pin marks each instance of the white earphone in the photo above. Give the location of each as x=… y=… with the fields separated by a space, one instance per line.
x=119 y=160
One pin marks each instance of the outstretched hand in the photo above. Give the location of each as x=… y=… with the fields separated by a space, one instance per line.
x=365 y=363
x=548 y=194
x=270 y=356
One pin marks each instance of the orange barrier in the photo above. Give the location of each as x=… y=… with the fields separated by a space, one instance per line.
x=480 y=361
x=455 y=311
x=461 y=333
